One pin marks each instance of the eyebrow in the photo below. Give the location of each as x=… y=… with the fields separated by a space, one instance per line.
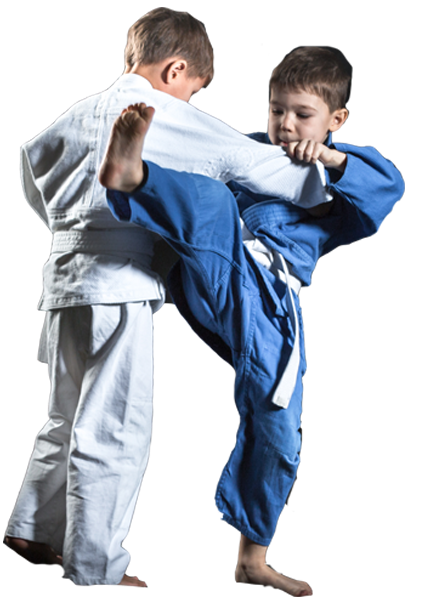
x=295 y=107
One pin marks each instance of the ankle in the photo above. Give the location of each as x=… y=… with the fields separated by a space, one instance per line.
x=250 y=561
x=251 y=555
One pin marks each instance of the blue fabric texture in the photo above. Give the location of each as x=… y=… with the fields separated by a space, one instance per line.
x=239 y=308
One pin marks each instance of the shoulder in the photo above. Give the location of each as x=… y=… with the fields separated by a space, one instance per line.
x=259 y=136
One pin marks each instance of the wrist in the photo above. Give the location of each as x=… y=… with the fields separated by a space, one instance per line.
x=337 y=161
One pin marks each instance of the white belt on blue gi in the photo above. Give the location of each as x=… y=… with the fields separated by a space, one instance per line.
x=276 y=263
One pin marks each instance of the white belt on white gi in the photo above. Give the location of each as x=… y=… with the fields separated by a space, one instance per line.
x=128 y=243
x=125 y=243
x=276 y=263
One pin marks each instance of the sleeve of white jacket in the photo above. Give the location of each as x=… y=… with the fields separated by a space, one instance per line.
x=32 y=193
x=269 y=170
x=205 y=145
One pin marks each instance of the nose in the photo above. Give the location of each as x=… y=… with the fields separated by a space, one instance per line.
x=286 y=122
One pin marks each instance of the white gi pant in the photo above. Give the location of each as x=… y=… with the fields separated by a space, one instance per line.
x=84 y=476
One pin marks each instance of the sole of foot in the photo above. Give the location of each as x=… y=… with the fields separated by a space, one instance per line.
x=122 y=168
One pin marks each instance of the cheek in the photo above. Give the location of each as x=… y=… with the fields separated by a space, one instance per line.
x=309 y=131
x=272 y=130
x=273 y=123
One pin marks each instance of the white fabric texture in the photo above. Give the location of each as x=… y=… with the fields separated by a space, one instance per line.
x=59 y=172
x=84 y=475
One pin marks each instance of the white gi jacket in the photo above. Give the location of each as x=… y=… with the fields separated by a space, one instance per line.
x=94 y=258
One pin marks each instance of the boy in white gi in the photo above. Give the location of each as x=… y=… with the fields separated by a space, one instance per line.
x=240 y=297
x=78 y=496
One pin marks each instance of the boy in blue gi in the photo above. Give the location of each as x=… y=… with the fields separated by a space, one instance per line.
x=242 y=260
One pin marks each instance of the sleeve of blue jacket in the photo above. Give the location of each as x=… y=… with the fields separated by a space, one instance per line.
x=364 y=195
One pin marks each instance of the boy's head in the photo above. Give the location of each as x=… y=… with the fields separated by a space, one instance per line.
x=172 y=50
x=308 y=92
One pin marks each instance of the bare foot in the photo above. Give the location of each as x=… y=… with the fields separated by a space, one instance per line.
x=266 y=576
x=122 y=165
x=34 y=552
x=132 y=581
x=252 y=568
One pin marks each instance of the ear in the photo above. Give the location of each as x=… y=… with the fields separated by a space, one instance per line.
x=338 y=119
x=173 y=70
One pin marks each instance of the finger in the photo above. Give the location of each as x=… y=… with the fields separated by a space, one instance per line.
x=290 y=149
x=305 y=150
x=299 y=149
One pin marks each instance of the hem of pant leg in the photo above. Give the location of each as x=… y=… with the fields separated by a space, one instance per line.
x=28 y=534
x=240 y=527
x=246 y=531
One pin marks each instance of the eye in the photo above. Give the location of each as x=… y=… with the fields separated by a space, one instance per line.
x=303 y=116
x=276 y=111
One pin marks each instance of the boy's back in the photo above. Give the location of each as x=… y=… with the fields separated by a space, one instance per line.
x=59 y=166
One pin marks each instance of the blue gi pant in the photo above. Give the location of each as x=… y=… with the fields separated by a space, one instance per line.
x=240 y=309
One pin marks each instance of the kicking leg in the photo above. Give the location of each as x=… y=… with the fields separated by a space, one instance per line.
x=122 y=166
x=252 y=568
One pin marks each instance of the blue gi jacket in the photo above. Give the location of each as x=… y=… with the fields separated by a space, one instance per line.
x=362 y=197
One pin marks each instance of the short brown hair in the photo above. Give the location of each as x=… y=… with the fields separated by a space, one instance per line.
x=163 y=33
x=319 y=70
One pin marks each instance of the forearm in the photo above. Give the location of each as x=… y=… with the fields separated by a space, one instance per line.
x=370 y=182
x=335 y=160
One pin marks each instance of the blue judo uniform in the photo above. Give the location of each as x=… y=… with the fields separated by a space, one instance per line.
x=239 y=308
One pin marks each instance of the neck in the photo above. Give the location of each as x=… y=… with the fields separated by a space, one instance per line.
x=150 y=72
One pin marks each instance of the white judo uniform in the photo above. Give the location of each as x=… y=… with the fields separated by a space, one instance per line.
x=99 y=292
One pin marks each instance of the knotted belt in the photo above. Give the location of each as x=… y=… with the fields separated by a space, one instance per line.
x=275 y=262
